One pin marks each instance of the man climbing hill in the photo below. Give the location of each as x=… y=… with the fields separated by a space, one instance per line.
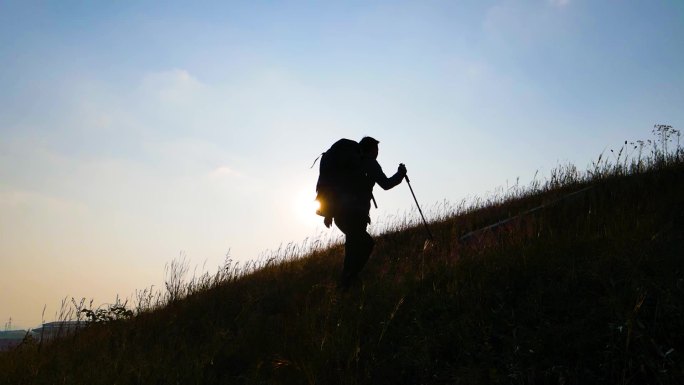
x=349 y=171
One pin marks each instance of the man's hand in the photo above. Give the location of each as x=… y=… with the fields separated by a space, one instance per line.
x=402 y=170
x=327 y=221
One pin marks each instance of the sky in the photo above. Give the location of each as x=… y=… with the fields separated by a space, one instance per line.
x=133 y=133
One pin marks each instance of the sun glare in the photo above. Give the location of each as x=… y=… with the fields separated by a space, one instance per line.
x=305 y=207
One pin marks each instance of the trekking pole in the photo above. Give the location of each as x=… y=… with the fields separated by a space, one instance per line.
x=419 y=210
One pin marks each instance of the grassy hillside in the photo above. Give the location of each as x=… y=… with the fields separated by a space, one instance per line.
x=573 y=289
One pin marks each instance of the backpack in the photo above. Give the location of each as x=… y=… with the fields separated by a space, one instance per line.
x=340 y=177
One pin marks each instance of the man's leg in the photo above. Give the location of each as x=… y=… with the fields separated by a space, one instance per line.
x=363 y=248
x=357 y=247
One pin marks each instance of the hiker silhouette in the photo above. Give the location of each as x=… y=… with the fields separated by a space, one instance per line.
x=349 y=171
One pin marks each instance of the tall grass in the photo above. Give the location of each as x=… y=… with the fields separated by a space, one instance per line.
x=568 y=288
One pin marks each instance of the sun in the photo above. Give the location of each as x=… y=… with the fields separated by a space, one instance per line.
x=304 y=208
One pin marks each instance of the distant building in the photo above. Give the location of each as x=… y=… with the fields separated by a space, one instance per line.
x=57 y=329
x=11 y=338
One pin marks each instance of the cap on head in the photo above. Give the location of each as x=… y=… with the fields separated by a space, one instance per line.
x=368 y=143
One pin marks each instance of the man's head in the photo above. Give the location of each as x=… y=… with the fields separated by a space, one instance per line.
x=369 y=146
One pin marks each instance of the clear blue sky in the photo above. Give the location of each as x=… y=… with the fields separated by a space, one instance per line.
x=133 y=131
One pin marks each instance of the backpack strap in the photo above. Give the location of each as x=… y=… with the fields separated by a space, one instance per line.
x=319 y=157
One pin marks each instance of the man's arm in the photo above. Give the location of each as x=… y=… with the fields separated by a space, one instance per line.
x=375 y=173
